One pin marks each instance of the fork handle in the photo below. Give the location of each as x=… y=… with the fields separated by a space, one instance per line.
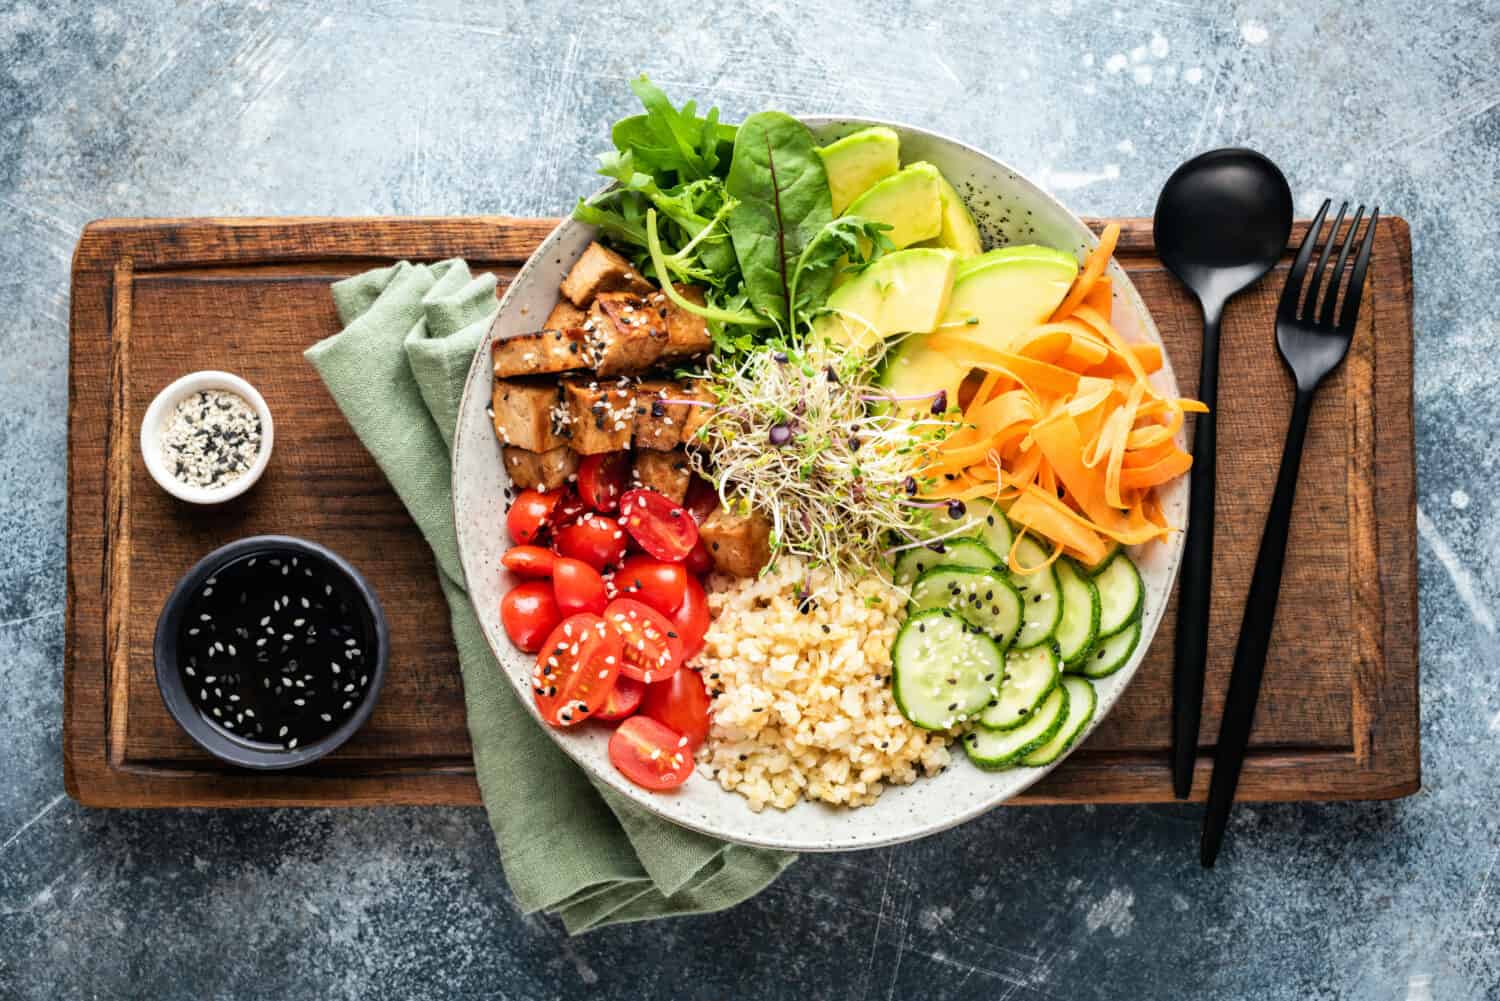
x=1195 y=583
x=1255 y=637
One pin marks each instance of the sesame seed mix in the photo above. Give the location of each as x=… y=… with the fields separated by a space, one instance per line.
x=291 y=687
x=211 y=438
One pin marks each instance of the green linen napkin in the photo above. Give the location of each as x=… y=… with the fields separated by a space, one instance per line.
x=568 y=845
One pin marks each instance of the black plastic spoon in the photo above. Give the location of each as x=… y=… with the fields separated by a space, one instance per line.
x=1222 y=222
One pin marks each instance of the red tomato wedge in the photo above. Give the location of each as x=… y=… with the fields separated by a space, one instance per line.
x=624 y=699
x=701 y=499
x=528 y=561
x=661 y=526
x=691 y=619
x=603 y=478
x=575 y=669
x=681 y=704
x=650 y=755
x=649 y=647
x=660 y=585
x=594 y=538
x=528 y=612
x=530 y=515
x=699 y=561
x=577 y=587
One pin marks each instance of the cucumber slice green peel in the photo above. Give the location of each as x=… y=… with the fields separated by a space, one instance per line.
x=943 y=670
x=1082 y=701
x=982 y=598
x=1121 y=594
x=994 y=750
x=1078 y=629
x=1030 y=676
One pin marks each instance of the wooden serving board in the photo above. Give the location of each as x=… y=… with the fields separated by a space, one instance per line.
x=154 y=299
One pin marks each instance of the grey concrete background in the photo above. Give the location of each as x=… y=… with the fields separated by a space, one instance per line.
x=148 y=107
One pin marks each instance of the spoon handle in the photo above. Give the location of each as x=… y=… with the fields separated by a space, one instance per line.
x=1195 y=585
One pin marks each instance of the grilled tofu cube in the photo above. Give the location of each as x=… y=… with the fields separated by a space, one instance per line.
x=667 y=473
x=739 y=542
x=527 y=415
x=544 y=352
x=565 y=316
x=600 y=414
x=660 y=425
x=687 y=333
x=540 y=470
x=626 y=336
x=600 y=270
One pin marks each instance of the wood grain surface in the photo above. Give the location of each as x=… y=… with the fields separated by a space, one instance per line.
x=154 y=299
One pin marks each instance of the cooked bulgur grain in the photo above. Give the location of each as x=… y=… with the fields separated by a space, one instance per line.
x=804 y=705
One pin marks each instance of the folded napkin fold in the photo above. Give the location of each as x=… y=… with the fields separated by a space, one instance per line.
x=568 y=844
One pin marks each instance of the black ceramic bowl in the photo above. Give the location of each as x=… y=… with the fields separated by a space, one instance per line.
x=353 y=608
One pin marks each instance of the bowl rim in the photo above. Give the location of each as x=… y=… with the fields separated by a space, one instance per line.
x=175 y=391
x=174 y=691
x=1150 y=625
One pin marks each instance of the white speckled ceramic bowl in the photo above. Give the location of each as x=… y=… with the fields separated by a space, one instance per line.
x=1008 y=209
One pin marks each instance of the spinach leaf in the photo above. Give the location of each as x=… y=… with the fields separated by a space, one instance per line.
x=782 y=189
x=848 y=243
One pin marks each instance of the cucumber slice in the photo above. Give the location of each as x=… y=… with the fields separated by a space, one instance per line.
x=1081 y=703
x=942 y=671
x=982 y=598
x=1079 y=626
x=1030 y=675
x=1109 y=655
x=994 y=529
x=1040 y=594
x=955 y=553
x=1121 y=594
x=1109 y=554
x=994 y=750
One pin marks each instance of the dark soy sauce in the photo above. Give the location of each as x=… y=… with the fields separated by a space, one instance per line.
x=276 y=649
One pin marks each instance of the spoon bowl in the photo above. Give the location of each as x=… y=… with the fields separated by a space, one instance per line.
x=1222 y=221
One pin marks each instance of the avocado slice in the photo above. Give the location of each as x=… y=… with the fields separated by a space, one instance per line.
x=959 y=234
x=912 y=368
x=1006 y=292
x=906 y=290
x=910 y=201
x=857 y=161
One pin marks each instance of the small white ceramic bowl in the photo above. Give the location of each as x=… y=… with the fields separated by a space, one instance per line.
x=155 y=421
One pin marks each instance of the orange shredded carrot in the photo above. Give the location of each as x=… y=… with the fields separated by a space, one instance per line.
x=1065 y=429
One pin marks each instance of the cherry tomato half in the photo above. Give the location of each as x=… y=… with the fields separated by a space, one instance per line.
x=681 y=704
x=624 y=699
x=603 y=478
x=660 y=585
x=650 y=650
x=528 y=561
x=662 y=527
x=577 y=587
x=575 y=669
x=594 y=538
x=691 y=619
x=529 y=612
x=650 y=755
x=569 y=507
x=700 y=561
x=530 y=515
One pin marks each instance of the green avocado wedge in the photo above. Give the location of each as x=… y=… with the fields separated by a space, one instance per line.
x=859 y=161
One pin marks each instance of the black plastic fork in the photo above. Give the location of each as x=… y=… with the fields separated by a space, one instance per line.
x=1312 y=343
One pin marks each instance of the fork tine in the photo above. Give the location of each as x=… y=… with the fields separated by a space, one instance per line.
x=1309 y=308
x=1287 y=309
x=1356 y=291
x=1338 y=269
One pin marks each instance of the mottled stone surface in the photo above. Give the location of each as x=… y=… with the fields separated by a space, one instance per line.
x=349 y=107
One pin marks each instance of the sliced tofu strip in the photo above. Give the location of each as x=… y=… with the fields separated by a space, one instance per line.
x=565 y=316
x=540 y=470
x=600 y=269
x=626 y=336
x=600 y=413
x=527 y=415
x=738 y=543
x=660 y=425
x=687 y=333
x=545 y=352
x=667 y=473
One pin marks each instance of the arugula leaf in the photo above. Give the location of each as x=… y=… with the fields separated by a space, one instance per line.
x=739 y=316
x=667 y=139
x=784 y=201
x=848 y=243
